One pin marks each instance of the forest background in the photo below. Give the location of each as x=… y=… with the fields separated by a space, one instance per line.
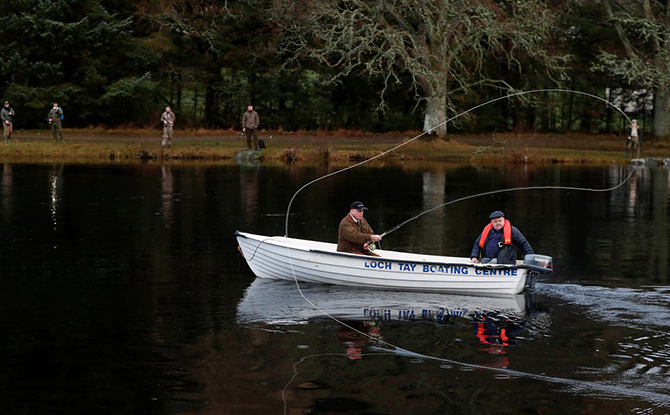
x=365 y=65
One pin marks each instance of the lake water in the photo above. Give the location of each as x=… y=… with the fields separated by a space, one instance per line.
x=122 y=292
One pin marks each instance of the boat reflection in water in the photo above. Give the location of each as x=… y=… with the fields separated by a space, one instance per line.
x=279 y=303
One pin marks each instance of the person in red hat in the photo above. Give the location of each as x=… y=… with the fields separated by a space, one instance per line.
x=498 y=242
x=354 y=234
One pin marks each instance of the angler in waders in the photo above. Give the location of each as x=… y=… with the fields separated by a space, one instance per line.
x=55 y=118
x=7 y=117
x=168 y=118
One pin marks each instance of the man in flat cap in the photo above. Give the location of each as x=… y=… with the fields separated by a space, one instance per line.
x=498 y=242
x=354 y=234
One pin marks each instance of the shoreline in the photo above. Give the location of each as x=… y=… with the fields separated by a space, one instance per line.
x=338 y=147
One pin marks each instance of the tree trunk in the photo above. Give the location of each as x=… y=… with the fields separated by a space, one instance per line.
x=195 y=108
x=662 y=93
x=544 y=123
x=661 y=114
x=436 y=115
x=608 y=108
x=210 y=106
x=434 y=88
x=180 y=84
x=531 y=117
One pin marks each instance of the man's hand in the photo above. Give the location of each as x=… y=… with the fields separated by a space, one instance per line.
x=375 y=238
x=473 y=260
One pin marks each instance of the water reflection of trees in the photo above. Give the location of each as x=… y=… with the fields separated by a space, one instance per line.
x=6 y=199
x=167 y=195
x=640 y=241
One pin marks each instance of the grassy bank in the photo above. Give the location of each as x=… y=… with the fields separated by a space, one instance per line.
x=340 y=147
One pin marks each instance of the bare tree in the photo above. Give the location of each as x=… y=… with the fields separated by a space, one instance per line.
x=443 y=45
x=643 y=28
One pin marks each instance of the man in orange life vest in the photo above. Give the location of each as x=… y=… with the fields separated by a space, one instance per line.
x=498 y=242
x=354 y=233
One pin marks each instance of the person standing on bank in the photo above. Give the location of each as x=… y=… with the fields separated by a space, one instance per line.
x=250 y=123
x=55 y=118
x=7 y=117
x=498 y=242
x=168 y=118
x=354 y=234
x=633 y=140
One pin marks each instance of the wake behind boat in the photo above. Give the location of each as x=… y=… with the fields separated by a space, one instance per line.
x=285 y=258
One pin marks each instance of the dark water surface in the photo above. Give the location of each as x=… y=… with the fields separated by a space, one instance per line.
x=122 y=292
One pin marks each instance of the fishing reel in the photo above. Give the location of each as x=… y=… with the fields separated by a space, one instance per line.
x=374 y=245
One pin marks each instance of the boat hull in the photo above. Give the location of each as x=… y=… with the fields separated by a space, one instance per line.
x=318 y=262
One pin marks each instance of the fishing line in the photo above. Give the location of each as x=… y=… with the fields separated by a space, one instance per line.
x=662 y=399
x=288 y=211
x=383 y=342
x=616 y=391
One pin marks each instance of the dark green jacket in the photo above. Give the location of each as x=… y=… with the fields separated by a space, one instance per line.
x=7 y=114
x=55 y=115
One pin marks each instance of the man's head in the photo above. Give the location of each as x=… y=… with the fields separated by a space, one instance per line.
x=250 y=108
x=55 y=105
x=167 y=109
x=633 y=123
x=497 y=220
x=6 y=103
x=357 y=209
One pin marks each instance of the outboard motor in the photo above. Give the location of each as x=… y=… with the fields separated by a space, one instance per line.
x=541 y=264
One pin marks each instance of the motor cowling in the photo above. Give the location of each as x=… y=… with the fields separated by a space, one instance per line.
x=542 y=264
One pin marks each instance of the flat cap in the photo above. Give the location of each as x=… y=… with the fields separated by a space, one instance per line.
x=496 y=214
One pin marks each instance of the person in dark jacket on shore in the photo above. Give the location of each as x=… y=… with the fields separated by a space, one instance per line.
x=250 y=123
x=354 y=234
x=498 y=242
x=7 y=117
x=55 y=118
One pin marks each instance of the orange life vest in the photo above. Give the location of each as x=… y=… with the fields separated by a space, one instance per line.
x=507 y=233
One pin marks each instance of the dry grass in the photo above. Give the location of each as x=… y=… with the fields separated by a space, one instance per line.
x=342 y=148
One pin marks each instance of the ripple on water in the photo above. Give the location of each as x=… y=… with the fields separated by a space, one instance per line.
x=635 y=308
x=641 y=359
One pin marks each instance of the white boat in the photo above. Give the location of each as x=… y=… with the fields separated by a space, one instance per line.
x=282 y=258
x=280 y=303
